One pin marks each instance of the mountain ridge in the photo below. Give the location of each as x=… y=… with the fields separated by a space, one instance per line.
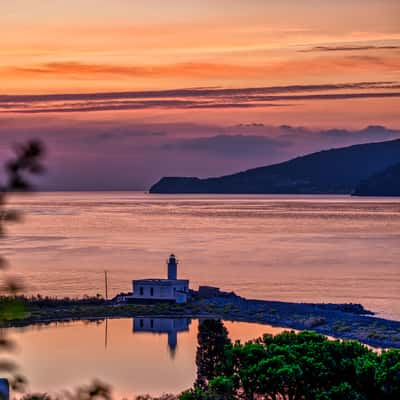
x=332 y=171
x=384 y=183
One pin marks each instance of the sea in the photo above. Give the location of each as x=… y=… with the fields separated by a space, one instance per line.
x=327 y=249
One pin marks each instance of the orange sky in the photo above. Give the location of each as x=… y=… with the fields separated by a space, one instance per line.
x=66 y=46
x=96 y=45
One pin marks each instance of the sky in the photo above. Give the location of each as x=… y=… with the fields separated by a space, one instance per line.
x=124 y=92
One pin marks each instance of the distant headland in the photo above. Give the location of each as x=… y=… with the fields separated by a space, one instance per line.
x=365 y=169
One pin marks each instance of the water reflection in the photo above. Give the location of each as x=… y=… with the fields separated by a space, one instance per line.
x=65 y=355
x=168 y=326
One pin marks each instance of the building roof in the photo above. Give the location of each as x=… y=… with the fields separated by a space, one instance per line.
x=163 y=282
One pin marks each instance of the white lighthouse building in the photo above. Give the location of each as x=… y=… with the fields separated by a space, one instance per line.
x=170 y=289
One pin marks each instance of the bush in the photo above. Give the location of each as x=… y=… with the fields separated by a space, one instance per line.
x=303 y=365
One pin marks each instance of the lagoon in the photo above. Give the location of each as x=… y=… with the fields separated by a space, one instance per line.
x=134 y=356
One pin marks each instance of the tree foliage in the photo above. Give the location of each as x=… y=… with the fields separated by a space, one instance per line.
x=212 y=339
x=27 y=162
x=297 y=366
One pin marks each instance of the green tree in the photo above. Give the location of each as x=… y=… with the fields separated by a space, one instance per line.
x=304 y=366
x=212 y=338
x=343 y=391
x=388 y=375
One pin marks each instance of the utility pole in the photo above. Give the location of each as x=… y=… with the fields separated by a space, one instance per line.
x=106 y=334
x=106 y=283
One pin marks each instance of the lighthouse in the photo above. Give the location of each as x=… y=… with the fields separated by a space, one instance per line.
x=172 y=267
x=161 y=289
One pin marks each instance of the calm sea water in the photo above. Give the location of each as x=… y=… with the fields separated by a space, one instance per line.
x=294 y=248
x=130 y=359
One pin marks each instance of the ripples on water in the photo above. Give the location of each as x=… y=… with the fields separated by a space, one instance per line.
x=292 y=248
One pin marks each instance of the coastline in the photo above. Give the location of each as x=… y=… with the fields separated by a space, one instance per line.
x=341 y=321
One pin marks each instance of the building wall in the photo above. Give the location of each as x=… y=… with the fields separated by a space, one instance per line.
x=158 y=291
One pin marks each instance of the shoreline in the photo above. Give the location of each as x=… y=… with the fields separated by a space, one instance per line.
x=341 y=321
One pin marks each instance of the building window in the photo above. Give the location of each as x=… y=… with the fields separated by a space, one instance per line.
x=151 y=324
x=141 y=291
x=141 y=323
x=151 y=291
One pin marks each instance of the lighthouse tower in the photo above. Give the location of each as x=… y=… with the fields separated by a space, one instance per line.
x=170 y=289
x=172 y=267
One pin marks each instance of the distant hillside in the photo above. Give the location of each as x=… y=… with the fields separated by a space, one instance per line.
x=385 y=183
x=336 y=171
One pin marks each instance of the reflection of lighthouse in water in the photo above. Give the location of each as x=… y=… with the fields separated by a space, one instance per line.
x=170 y=326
